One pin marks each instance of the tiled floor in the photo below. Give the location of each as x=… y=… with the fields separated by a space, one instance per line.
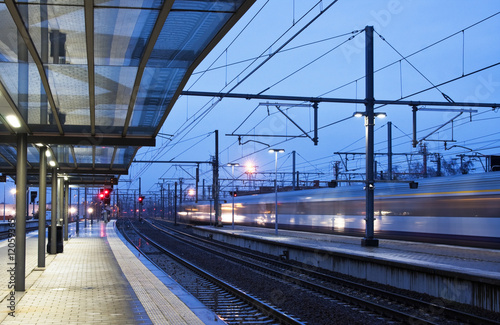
x=83 y=285
x=97 y=280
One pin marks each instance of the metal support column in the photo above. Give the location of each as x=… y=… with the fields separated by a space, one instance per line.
x=414 y=142
x=85 y=206
x=42 y=206
x=60 y=200
x=315 y=108
x=65 y=209
x=197 y=181
x=293 y=171
x=175 y=203
x=20 y=249
x=162 y=203
x=218 y=220
x=78 y=213
x=140 y=204
x=53 y=219
x=389 y=150
x=369 y=239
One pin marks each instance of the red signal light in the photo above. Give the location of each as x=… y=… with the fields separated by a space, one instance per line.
x=101 y=196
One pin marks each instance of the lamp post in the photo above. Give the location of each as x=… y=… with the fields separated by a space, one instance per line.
x=369 y=239
x=232 y=173
x=276 y=187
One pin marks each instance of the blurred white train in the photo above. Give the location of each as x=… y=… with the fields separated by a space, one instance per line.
x=461 y=210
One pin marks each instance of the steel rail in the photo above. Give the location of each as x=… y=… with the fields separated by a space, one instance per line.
x=253 y=301
x=453 y=313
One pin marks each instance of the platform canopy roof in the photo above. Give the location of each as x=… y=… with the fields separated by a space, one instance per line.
x=94 y=80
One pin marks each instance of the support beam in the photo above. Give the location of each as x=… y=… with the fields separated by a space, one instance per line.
x=369 y=239
x=20 y=254
x=86 y=140
x=42 y=206
x=89 y=32
x=338 y=100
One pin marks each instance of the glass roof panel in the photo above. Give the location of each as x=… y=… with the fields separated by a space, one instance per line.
x=184 y=36
x=83 y=155
x=103 y=155
x=130 y=3
x=123 y=156
x=120 y=35
x=207 y=5
x=8 y=43
x=113 y=90
x=61 y=29
x=33 y=155
x=70 y=88
x=8 y=156
x=63 y=155
x=157 y=88
x=27 y=93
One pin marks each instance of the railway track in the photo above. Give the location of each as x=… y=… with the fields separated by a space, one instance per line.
x=230 y=303
x=387 y=304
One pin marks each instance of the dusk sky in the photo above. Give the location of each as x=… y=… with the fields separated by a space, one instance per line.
x=418 y=45
x=322 y=61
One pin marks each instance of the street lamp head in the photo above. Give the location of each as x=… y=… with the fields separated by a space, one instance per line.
x=233 y=164
x=276 y=150
x=379 y=114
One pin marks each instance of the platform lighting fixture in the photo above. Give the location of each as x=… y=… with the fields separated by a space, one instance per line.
x=13 y=121
x=378 y=114
x=276 y=151
x=232 y=194
x=39 y=145
x=52 y=163
x=47 y=153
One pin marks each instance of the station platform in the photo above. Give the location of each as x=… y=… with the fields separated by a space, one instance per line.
x=98 y=278
x=462 y=274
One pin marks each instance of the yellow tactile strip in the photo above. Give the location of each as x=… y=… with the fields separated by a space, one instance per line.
x=83 y=285
x=161 y=305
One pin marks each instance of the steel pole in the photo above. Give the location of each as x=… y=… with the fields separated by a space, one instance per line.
x=66 y=208
x=53 y=218
x=20 y=249
x=42 y=206
x=389 y=150
x=232 y=168
x=276 y=192
x=369 y=239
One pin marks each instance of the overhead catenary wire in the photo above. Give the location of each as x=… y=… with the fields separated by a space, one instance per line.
x=425 y=90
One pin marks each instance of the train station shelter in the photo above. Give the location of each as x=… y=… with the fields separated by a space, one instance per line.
x=85 y=83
